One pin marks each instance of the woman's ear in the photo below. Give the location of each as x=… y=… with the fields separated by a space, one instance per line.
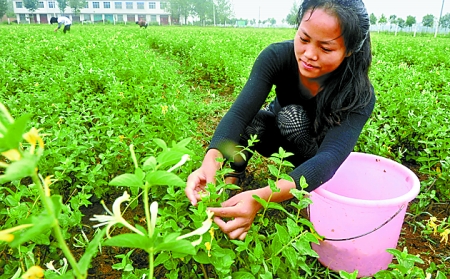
x=348 y=54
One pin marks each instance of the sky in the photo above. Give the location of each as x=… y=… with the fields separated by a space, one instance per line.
x=279 y=9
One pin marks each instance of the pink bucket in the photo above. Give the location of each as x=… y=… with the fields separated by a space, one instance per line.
x=360 y=212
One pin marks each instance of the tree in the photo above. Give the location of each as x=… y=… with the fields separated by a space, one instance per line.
x=383 y=19
x=401 y=22
x=76 y=5
x=445 y=21
x=3 y=7
x=410 y=21
x=373 y=19
x=31 y=5
x=223 y=10
x=180 y=8
x=291 y=18
x=428 y=20
x=393 y=19
x=203 y=10
x=62 y=4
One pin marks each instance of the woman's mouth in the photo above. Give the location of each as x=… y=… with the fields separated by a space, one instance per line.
x=307 y=66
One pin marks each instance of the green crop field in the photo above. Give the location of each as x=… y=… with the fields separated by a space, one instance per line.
x=121 y=115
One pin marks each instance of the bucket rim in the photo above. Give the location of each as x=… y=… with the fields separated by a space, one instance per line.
x=397 y=201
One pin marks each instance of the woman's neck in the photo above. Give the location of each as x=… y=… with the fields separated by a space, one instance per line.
x=312 y=86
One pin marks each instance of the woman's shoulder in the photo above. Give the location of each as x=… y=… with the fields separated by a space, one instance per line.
x=287 y=46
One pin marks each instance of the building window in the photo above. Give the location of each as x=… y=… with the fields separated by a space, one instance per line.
x=87 y=5
x=40 y=5
x=129 y=5
x=140 y=5
x=51 y=4
x=19 y=5
x=106 y=5
x=163 y=5
x=22 y=17
x=152 y=18
x=152 y=5
x=118 y=5
x=96 y=5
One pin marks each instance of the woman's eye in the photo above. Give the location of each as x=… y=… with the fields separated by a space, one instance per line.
x=303 y=40
x=326 y=49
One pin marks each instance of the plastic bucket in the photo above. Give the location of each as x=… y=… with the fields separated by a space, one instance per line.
x=360 y=212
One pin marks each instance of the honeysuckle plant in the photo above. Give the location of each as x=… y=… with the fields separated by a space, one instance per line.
x=21 y=160
x=151 y=174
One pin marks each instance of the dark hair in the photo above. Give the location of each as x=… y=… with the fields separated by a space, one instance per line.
x=53 y=20
x=347 y=88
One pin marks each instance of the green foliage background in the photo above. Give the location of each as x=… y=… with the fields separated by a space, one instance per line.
x=101 y=88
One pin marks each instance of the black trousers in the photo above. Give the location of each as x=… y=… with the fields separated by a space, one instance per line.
x=289 y=128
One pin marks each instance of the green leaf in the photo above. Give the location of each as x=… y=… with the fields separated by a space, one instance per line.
x=127 y=179
x=150 y=163
x=164 y=178
x=178 y=246
x=160 y=143
x=19 y=169
x=169 y=158
x=129 y=240
x=13 y=136
x=202 y=257
x=41 y=224
x=242 y=275
x=57 y=204
x=91 y=251
x=273 y=170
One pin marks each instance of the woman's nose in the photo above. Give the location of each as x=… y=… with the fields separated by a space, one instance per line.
x=310 y=53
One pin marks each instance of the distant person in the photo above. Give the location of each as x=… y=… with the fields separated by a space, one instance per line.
x=62 y=20
x=142 y=23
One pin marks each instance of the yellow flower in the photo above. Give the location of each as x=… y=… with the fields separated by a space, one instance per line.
x=164 y=109
x=121 y=137
x=431 y=224
x=211 y=232
x=34 y=272
x=444 y=235
x=33 y=137
x=208 y=248
x=6 y=235
x=12 y=155
x=47 y=182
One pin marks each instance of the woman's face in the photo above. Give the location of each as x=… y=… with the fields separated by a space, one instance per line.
x=318 y=45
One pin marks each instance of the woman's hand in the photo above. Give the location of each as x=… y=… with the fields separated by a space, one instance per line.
x=241 y=210
x=197 y=180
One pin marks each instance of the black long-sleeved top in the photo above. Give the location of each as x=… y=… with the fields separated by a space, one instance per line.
x=277 y=65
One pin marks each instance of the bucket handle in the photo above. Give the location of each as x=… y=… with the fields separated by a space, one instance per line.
x=377 y=228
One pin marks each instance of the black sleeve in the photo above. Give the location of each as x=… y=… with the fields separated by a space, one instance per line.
x=337 y=145
x=249 y=101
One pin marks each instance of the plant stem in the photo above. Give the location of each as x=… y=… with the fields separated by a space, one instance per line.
x=56 y=228
x=149 y=229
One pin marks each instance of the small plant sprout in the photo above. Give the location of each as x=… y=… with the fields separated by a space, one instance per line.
x=114 y=217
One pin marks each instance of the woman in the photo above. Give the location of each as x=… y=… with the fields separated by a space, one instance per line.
x=323 y=100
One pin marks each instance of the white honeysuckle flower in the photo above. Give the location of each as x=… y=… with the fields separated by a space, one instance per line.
x=183 y=160
x=200 y=231
x=153 y=216
x=114 y=217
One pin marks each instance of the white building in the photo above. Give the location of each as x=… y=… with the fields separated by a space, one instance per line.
x=113 y=11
